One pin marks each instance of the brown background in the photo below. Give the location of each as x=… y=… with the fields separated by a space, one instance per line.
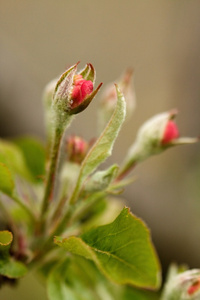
x=161 y=40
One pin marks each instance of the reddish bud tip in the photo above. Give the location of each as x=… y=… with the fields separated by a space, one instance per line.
x=170 y=133
x=194 y=287
x=81 y=89
x=77 y=149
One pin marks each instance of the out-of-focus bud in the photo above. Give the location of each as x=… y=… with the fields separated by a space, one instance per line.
x=170 y=133
x=47 y=102
x=76 y=149
x=185 y=286
x=74 y=91
x=155 y=135
x=109 y=98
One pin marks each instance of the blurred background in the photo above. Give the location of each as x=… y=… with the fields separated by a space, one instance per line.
x=161 y=41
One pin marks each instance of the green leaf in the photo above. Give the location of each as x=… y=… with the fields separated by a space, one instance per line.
x=8 y=266
x=6 y=238
x=12 y=157
x=63 y=283
x=7 y=184
x=122 y=250
x=34 y=155
x=12 y=269
x=102 y=149
x=79 y=279
x=131 y=293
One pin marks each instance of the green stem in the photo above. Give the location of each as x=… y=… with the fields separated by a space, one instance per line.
x=51 y=176
x=72 y=215
x=75 y=212
x=17 y=200
x=58 y=210
x=74 y=195
x=64 y=222
x=130 y=162
x=126 y=169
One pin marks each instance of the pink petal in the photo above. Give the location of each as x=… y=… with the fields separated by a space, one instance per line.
x=171 y=133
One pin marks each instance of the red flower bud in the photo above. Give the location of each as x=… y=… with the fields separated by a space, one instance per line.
x=76 y=149
x=170 y=133
x=74 y=92
x=82 y=88
x=194 y=287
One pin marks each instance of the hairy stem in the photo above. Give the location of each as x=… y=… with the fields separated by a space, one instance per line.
x=53 y=171
x=52 y=176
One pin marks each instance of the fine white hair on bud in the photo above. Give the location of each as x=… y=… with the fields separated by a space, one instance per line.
x=185 y=285
x=154 y=136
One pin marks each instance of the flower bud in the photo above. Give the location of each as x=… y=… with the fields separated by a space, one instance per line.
x=155 y=135
x=185 y=286
x=76 y=149
x=170 y=133
x=74 y=92
x=109 y=98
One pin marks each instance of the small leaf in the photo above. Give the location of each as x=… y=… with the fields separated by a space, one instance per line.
x=102 y=148
x=6 y=238
x=122 y=250
x=34 y=155
x=12 y=269
x=8 y=266
x=101 y=180
x=6 y=180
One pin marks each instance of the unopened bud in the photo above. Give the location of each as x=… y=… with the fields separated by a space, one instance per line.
x=76 y=149
x=185 y=286
x=74 y=91
x=109 y=98
x=155 y=135
x=170 y=133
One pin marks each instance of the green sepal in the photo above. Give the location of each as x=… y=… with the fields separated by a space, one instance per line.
x=84 y=104
x=63 y=84
x=61 y=100
x=101 y=180
x=88 y=73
